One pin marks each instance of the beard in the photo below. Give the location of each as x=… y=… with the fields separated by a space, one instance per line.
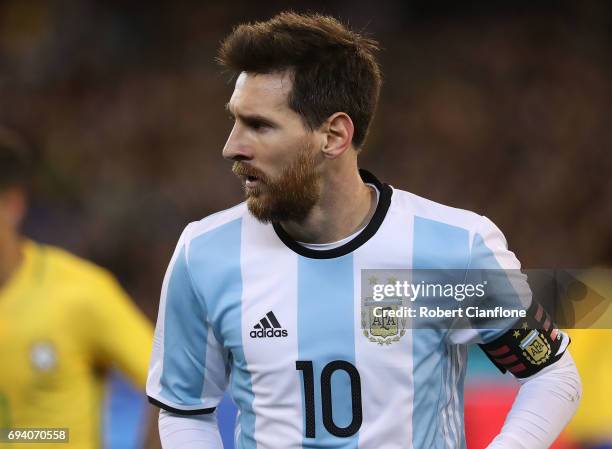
x=288 y=197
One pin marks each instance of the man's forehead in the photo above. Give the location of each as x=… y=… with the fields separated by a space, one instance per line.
x=262 y=90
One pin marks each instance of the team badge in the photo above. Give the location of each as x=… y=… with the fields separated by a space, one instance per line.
x=43 y=356
x=536 y=348
x=382 y=326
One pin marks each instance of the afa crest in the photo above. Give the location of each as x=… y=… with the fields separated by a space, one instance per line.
x=536 y=348
x=382 y=329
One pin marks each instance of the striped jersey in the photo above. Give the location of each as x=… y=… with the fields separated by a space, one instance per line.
x=245 y=307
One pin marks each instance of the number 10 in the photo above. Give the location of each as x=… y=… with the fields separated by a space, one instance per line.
x=326 y=397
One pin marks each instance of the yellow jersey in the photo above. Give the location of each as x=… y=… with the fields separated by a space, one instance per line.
x=592 y=352
x=63 y=323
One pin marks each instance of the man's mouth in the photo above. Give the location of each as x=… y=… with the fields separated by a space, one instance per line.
x=248 y=175
x=251 y=181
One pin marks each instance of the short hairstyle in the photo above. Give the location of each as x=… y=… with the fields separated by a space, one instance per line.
x=16 y=160
x=333 y=68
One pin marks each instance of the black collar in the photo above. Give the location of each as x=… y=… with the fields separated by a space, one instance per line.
x=384 y=201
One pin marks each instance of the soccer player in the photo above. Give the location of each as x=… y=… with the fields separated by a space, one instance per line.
x=64 y=323
x=265 y=296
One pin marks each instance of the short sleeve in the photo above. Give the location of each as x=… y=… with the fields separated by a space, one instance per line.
x=494 y=266
x=189 y=368
x=524 y=344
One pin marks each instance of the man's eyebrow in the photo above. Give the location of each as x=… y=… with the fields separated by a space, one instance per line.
x=250 y=117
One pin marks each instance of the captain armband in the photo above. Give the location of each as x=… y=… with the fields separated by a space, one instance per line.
x=532 y=345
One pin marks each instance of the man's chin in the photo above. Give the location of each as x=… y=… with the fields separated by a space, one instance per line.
x=259 y=210
x=266 y=213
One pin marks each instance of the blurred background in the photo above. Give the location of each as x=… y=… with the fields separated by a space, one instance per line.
x=499 y=107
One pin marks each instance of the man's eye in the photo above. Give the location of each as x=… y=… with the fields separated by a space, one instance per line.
x=258 y=126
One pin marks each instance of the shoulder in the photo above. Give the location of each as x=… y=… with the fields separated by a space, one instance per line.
x=69 y=264
x=452 y=237
x=437 y=214
x=214 y=224
x=74 y=272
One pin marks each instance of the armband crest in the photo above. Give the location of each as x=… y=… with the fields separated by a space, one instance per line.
x=531 y=345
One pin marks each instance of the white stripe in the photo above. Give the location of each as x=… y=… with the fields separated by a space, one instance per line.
x=217 y=219
x=387 y=383
x=495 y=241
x=447 y=386
x=444 y=415
x=215 y=372
x=451 y=411
x=455 y=395
x=276 y=384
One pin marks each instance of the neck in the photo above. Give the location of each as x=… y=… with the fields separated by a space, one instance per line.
x=346 y=204
x=12 y=254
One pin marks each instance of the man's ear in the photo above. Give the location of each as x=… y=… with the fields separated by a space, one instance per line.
x=339 y=131
x=13 y=206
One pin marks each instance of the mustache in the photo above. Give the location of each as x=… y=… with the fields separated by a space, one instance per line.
x=241 y=169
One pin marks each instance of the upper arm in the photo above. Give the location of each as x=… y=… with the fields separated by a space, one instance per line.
x=524 y=345
x=189 y=367
x=494 y=268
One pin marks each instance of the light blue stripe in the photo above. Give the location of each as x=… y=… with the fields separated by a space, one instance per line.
x=184 y=346
x=439 y=246
x=215 y=261
x=326 y=333
x=532 y=335
x=436 y=245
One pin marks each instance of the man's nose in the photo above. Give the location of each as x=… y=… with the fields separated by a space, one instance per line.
x=236 y=149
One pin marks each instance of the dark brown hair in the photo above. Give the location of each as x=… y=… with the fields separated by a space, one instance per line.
x=333 y=68
x=16 y=160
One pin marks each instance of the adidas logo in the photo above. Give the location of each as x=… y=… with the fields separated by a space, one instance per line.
x=268 y=326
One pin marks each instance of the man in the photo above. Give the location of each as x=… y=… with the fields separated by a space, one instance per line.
x=64 y=323
x=266 y=295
